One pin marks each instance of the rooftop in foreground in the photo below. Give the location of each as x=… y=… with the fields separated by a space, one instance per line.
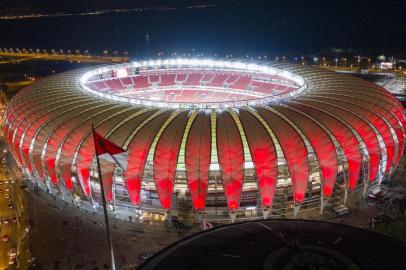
x=283 y=244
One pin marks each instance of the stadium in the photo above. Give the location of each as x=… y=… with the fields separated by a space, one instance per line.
x=224 y=136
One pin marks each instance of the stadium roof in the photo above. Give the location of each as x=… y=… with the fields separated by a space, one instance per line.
x=336 y=124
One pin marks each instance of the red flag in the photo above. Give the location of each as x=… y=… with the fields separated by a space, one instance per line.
x=109 y=151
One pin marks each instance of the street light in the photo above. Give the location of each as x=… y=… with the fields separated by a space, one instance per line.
x=345 y=62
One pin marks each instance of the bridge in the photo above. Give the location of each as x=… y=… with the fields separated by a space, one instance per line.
x=18 y=55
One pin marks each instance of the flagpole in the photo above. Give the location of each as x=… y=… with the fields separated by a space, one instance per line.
x=106 y=218
x=114 y=191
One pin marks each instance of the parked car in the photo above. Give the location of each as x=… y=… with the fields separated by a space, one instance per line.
x=375 y=193
x=146 y=256
x=381 y=218
x=12 y=253
x=341 y=210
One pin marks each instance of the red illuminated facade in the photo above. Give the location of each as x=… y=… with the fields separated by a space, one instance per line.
x=220 y=134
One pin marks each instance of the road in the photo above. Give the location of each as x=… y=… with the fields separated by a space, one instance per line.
x=12 y=216
x=6 y=214
x=6 y=229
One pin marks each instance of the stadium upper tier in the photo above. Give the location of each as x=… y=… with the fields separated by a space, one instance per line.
x=275 y=129
x=189 y=83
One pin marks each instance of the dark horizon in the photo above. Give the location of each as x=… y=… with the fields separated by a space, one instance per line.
x=243 y=27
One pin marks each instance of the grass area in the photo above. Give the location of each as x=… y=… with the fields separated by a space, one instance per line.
x=394 y=228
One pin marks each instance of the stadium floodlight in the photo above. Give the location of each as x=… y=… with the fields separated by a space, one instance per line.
x=180 y=62
x=217 y=63
x=229 y=64
x=196 y=62
x=252 y=67
x=204 y=62
x=121 y=73
x=239 y=65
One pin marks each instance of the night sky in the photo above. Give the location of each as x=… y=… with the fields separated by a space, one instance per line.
x=252 y=27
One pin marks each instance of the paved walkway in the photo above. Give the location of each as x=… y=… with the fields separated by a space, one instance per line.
x=65 y=237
